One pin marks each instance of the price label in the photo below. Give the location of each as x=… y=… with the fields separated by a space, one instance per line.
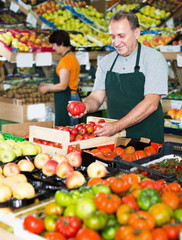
x=176 y=104
x=36 y=111
x=24 y=60
x=170 y=23
x=45 y=26
x=31 y=19
x=83 y=58
x=14 y=7
x=179 y=60
x=43 y=59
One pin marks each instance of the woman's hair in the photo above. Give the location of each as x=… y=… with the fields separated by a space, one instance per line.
x=60 y=37
x=132 y=18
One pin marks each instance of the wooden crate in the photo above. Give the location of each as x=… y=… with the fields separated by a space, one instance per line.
x=63 y=137
x=15 y=111
x=22 y=129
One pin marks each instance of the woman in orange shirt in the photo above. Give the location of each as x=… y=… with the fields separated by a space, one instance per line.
x=65 y=78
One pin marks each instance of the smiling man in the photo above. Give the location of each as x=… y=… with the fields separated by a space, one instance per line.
x=134 y=78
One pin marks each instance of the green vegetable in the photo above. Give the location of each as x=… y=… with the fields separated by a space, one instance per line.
x=96 y=221
x=147 y=197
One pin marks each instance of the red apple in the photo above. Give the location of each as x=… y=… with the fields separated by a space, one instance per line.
x=49 y=168
x=96 y=169
x=40 y=159
x=63 y=169
x=74 y=159
x=11 y=169
x=26 y=165
x=75 y=179
x=60 y=158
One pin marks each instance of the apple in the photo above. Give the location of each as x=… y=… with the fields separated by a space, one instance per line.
x=26 y=165
x=17 y=150
x=39 y=149
x=1 y=177
x=2 y=140
x=5 y=192
x=11 y=142
x=30 y=149
x=60 y=158
x=96 y=169
x=74 y=159
x=23 y=190
x=63 y=169
x=1 y=137
x=49 y=168
x=41 y=159
x=4 y=145
x=75 y=179
x=7 y=155
x=11 y=169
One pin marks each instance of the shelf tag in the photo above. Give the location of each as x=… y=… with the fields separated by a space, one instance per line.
x=179 y=60
x=14 y=7
x=45 y=26
x=31 y=19
x=176 y=104
x=36 y=111
x=170 y=23
x=83 y=58
x=24 y=60
x=43 y=59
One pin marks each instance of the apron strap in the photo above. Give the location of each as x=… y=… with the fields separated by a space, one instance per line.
x=137 y=67
x=114 y=62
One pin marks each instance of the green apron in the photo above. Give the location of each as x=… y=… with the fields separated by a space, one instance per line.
x=61 y=101
x=124 y=92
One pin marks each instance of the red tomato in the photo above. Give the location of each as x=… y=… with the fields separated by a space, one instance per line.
x=97 y=127
x=91 y=123
x=54 y=236
x=74 y=131
x=86 y=136
x=79 y=126
x=83 y=131
x=33 y=224
x=72 y=137
x=87 y=234
x=79 y=137
x=90 y=128
x=101 y=121
x=76 y=108
x=68 y=226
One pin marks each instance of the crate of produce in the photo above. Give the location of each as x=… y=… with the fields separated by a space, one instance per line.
x=63 y=138
x=170 y=154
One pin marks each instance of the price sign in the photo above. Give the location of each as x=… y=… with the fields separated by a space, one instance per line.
x=14 y=7
x=24 y=60
x=43 y=59
x=176 y=104
x=31 y=19
x=83 y=58
x=45 y=26
x=179 y=60
x=36 y=111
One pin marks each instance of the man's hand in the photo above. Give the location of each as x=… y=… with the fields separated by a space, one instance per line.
x=108 y=129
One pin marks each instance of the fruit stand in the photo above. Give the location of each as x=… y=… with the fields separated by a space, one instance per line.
x=110 y=188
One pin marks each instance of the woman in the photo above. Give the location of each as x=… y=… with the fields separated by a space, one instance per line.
x=65 y=78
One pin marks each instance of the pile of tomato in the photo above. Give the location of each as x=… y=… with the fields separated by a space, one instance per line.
x=81 y=131
x=122 y=207
x=129 y=153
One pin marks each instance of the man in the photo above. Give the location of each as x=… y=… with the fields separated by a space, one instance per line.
x=134 y=78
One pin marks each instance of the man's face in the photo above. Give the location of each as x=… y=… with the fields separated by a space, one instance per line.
x=124 y=39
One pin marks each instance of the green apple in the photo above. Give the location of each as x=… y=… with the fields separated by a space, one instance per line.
x=30 y=149
x=1 y=137
x=11 y=142
x=2 y=140
x=7 y=155
x=4 y=145
x=39 y=149
x=17 y=150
